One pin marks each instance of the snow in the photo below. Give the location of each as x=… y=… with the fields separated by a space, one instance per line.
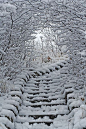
x=2 y=126
x=47 y=0
x=83 y=53
x=75 y=103
x=10 y=107
x=7 y=122
x=17 y=99
x=34 y=126
x=7 y=113
x=8 y=5
x=80 y=118
x=2 y=52
x=61 y=122
x=51 y=87
x=13 y=102
x=18 y=83
x=15 y=93
x=43 y=71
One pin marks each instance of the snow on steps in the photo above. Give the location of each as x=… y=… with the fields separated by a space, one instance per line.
x=13 y=101
x=40 y=102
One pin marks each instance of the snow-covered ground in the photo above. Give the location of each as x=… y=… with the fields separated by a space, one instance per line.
x=44 y=98
x=42 y=64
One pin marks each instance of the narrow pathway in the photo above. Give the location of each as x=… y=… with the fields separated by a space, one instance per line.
x=43 y=100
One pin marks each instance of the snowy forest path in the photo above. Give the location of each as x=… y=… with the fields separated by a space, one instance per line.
x=39 y=97
x=44 y=98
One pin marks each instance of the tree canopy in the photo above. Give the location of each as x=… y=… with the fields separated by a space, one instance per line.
x=62 y=21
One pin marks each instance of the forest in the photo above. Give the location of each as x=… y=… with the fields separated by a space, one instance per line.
x=42 y=41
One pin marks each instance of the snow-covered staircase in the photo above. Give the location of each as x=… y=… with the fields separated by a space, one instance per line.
x=41 y=98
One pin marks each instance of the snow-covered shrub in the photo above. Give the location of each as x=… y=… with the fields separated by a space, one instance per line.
x=80 y=118
x=47 y=59
x=6 y=86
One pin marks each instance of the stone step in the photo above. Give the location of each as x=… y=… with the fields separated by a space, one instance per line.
x=43 y=95
x=44 y=99
x=42 y=91
x=31 y=120
x=41 y=113
x=49 y=86
x=57 y=102
x=46 y=108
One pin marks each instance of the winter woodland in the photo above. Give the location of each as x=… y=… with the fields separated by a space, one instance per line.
x=43 y=64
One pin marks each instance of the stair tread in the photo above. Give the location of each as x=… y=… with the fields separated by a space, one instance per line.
x=39 y=113
x=44 y=103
